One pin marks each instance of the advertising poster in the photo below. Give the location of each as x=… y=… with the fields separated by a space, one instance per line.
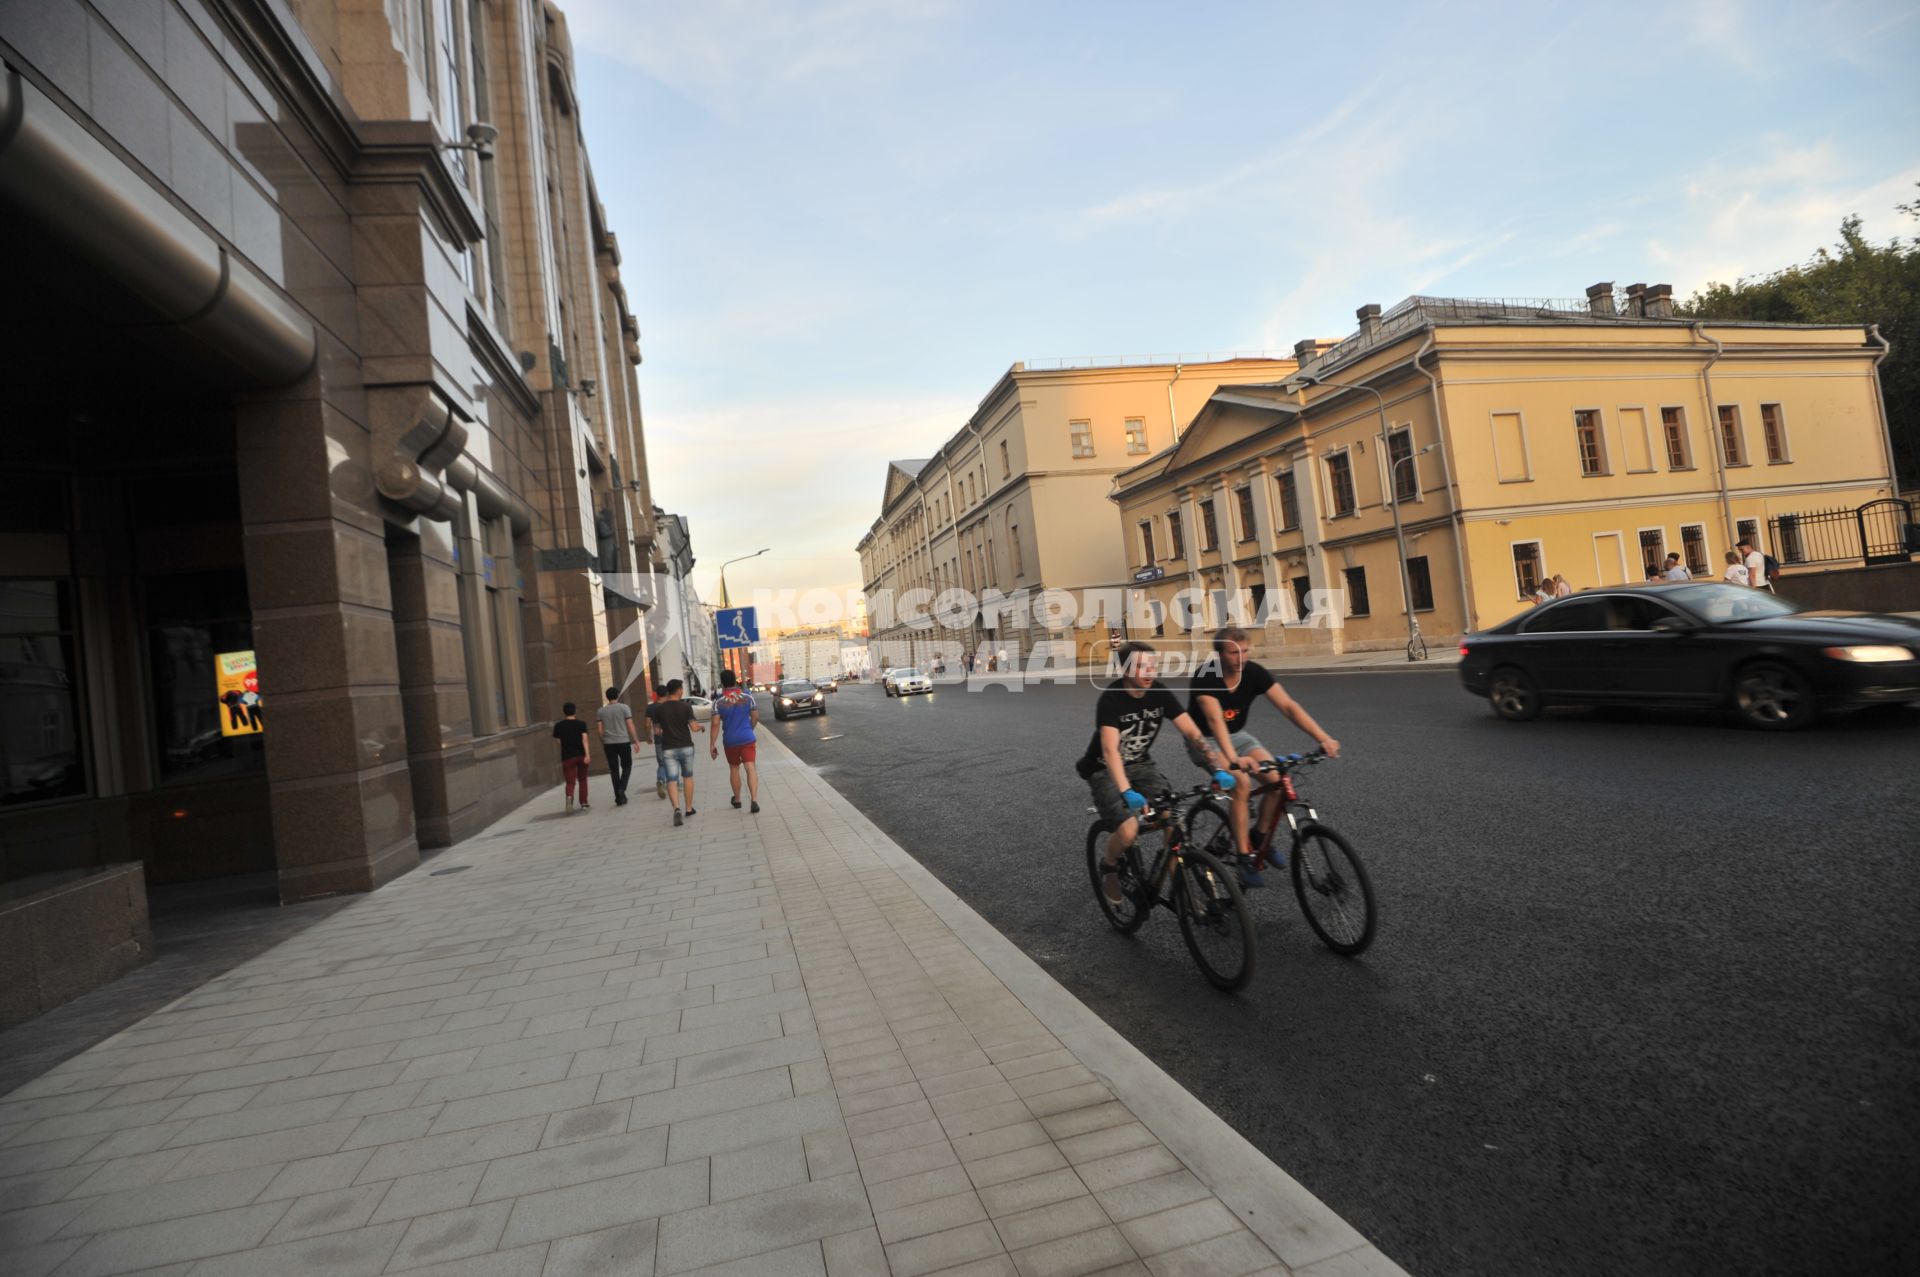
x=237 y=687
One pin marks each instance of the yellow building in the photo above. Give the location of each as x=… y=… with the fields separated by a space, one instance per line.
x=1525 y=439
x=1016 y=500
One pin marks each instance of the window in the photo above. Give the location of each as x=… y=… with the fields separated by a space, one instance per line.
x=1082 y=432
x=1302 y=586
x=1573 y=616
x=1176 y=537
x=40 y=710
x=1786 y=531
x=1340 y=484
x=1244 y=498
x=1209 y=529
x=1527 y=569
x=1653 y=552
x=1693 y=546
x=1006 y=463
x=1774 y=427
x=1420 y=584
x=192 y=617
x=1136 y=436
x=1146 y=542
x=1593 y=448
x=972 y=496
x=1289 y=500
x=1732 y=446
x=1673 y=425
x=1748 y=530
x=1013 y=542
x=1356 y=579
x=1405 y=470
x=1257 y=596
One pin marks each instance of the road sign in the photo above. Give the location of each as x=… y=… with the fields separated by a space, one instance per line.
x=1144 y=575
x=738 y=627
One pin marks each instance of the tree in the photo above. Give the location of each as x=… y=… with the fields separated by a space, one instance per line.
x=1854 y=282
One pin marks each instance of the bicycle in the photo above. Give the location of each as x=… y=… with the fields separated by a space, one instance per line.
x=1328 y=875
x=1416 y=643
x=1214 y=919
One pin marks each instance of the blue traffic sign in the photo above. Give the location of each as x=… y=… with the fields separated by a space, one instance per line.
x=738 y=627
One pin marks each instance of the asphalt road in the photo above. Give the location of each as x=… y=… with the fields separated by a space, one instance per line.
x=1645 y=996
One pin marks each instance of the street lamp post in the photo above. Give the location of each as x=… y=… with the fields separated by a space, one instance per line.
x=725 y=601
x=1302 y=380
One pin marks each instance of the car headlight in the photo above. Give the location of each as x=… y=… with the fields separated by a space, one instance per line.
x=1870 y=653
x=786 y=700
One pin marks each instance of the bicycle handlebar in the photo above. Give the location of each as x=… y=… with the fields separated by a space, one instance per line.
x=1288 y=762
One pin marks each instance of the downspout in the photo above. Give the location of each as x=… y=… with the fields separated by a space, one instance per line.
x=1457 y=516
x=1880 y=402
x=1713 y=423
x=1173 y=415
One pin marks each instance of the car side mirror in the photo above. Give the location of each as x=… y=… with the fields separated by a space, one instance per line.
x=1673 y=625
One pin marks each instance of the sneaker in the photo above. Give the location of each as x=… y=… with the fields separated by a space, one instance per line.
x=690 y=813
x=676 y=818
x=756 y=809
x=569 y=802
x=1250 y=878
x=584 y=806
x=660 y=790
x=736 y=802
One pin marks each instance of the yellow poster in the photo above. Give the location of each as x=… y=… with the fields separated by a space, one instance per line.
x=237 y=686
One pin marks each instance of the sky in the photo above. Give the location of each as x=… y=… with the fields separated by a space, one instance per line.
x=841 y=221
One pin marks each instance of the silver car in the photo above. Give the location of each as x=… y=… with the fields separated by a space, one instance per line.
x=902 y=681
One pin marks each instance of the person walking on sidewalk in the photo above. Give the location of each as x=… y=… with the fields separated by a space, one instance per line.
x=572 y=735
x=653 y=735
x=1736 y=570
x=1676 y=570
x=1760 y=568
x=737 y=716
x=1118 y=764
x=616 y=742
x=674 y=719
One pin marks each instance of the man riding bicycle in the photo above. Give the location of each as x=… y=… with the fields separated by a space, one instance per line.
x=1118 y=765
x=1222 y=693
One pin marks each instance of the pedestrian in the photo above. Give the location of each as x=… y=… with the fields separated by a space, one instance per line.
x=1760 y=567
x=734 y=710
x=615 y=726
x=1543 y=593
x=674 y=717
x=1560 y=587
x=653 y=735
x=1676 y=570
x=572 y=735
x=1736 y=570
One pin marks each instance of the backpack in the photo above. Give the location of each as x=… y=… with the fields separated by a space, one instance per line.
x=1773 y=568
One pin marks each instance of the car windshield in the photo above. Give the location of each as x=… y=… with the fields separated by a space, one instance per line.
x=1721 y=604
x=906 y=673
x=795 y=688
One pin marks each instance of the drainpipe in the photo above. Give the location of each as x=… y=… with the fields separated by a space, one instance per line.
x=1880 y=401
x=1173 y=415
x=1713 y=422
x=1458 y=517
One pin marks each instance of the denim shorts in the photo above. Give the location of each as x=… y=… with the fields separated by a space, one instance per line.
x=676 y=763
x=1244 y=743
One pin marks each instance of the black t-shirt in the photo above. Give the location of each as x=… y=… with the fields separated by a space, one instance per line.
x=572 y=735
x=1137 y=718
x=673 y=717
x=1255 y=682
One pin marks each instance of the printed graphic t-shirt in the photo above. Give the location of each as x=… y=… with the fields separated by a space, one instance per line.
x=1137 y=718
x=1255 y=682
x=614 y=721
x=572 y=735
x=674 y=718
x=735 y=712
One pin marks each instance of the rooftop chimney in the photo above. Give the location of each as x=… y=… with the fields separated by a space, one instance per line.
x=1659 y=302
x=1600 y=299
x=1369 y=317
x=1636 y=301
x=1304 y=349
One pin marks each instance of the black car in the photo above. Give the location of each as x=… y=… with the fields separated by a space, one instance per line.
x=797 y=696
x=1708 y=645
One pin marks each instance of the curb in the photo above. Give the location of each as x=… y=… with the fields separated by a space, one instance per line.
x=1303 y=1231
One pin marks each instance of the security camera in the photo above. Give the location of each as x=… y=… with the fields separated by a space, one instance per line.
x=587 y=385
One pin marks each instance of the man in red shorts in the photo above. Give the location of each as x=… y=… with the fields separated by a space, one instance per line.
x=738 y=717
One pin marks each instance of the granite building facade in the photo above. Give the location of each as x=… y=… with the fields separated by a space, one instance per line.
x=315 y=348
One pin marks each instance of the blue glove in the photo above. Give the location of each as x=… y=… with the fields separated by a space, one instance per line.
x=1224 y=779
x=1136 y=801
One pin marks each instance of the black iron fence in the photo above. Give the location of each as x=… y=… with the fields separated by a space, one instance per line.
x=1878 y=532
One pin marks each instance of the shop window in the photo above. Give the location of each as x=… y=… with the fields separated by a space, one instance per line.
x=194 y=619
x=40 y=734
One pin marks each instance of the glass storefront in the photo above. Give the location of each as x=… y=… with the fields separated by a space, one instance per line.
x=40 y=742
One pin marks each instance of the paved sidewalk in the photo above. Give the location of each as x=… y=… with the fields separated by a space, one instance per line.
x=753 y=1045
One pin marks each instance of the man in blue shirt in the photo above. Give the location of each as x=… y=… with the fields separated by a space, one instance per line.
x=738 y=717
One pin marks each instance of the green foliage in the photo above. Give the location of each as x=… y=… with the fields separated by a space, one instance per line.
x=1854 y=282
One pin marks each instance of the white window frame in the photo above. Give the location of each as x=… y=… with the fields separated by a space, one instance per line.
x=1145 y=447
x=1541 y=553
x=1147 y=547
x=1665 y=549
x=1786 y=439
x=1326 y=469
x=1526 y=443
x=1073 y=439
x=1706 y=551
x=1413 y=455
x=1739 y=434
x=1686 y=438
x=1605 y=456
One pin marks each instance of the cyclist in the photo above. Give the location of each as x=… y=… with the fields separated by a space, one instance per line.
x=1118 y=765
x=1224 y=689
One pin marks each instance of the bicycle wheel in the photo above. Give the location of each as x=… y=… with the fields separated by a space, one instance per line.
x=1334 y=890
x=1210 y=828
x=1417 y=648
x=1131 y=912
x=1214 y=920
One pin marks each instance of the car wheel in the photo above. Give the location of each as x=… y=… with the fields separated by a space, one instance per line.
x=1772 y=696
x=1514 y=695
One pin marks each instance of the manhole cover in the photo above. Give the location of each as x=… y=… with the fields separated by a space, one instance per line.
x=456 y=869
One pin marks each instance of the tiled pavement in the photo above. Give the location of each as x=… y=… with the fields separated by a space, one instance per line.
x=754 y=1045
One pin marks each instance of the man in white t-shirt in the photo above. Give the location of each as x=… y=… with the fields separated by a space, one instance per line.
x=1756 y=565
x=1676 y=570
